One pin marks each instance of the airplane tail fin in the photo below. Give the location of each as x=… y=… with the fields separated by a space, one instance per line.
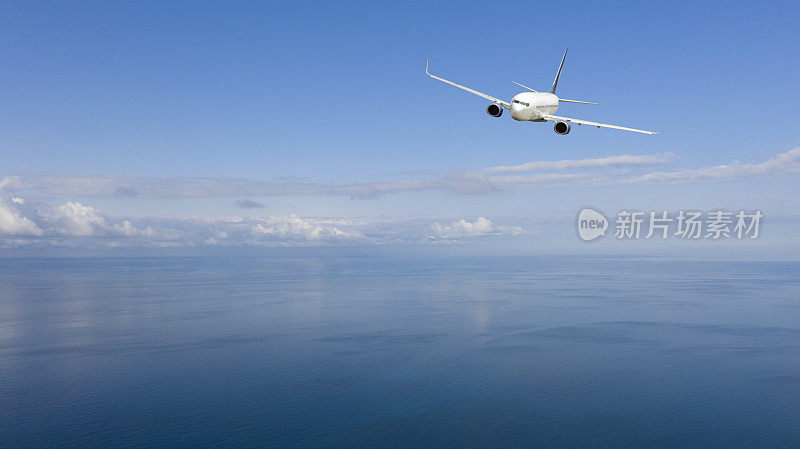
x=558 y=74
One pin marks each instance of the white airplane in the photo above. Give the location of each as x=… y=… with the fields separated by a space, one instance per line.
x=535 y=106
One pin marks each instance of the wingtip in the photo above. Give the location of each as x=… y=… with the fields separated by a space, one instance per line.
x=427 y=65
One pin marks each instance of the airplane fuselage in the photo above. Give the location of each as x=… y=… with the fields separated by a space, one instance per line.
x=531 y=106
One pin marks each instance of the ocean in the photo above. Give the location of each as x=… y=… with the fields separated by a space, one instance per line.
x=399 y=352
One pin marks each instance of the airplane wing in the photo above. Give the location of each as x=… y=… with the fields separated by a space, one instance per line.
x=505 y=104
x=524 y=86
x=576 y=101
x=555 y=118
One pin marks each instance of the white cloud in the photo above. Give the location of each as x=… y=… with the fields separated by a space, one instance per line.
x=783 y=163
x=463 y=228
x=465 y=182
x=580 y=173
x=548 y=180
x=75 y=219
x=12 y=222
x=293 y=228
x=601 y=162
x=74 y=224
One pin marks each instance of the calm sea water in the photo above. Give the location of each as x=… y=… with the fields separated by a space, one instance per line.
x=398 y=352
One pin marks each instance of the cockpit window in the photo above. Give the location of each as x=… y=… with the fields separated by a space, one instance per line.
x=524 y=104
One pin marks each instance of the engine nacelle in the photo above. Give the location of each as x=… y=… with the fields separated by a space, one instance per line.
x=494 y=109
x=561 y=128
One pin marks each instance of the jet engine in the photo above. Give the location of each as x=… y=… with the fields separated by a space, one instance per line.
x=561 y=128
x=495 y=110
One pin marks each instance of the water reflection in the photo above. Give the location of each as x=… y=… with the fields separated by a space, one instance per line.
x=398 y=352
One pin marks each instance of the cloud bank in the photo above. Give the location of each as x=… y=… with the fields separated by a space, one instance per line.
x=582 y=173
x=73 y=224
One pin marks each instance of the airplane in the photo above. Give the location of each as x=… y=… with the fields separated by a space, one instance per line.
x=535 y=106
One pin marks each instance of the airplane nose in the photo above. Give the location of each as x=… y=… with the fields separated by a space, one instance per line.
x=517 y=111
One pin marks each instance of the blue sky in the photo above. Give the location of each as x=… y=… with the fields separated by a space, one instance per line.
x=335 y=94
